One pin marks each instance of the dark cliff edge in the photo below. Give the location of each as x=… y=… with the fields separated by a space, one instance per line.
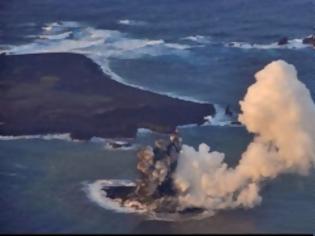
x=69 y=93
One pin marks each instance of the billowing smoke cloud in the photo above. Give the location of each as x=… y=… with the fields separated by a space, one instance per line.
x=279 y=110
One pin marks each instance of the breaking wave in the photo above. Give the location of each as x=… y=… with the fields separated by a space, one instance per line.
x=131 y=22
x=113 y=145
x=100 y=45
x=56 y=36
x=75 y=37
x=58 y=26
x=292 y=44
x=220 y=118
x=143 y=131
x=198 y=39
x=64 y=137
x=95 y=193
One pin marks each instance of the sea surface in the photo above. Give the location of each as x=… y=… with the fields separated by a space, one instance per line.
x=206 y=51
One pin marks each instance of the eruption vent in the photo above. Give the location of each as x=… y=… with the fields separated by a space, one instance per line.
x=279 y=110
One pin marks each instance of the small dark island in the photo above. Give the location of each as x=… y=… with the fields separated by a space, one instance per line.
x=69 y=93
x=309 y=40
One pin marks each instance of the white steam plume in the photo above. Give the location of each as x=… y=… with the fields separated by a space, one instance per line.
x=279 y=110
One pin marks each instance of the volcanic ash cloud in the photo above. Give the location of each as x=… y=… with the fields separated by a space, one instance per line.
x=279 y=110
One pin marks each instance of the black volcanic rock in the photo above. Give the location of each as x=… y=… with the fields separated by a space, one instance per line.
x=309 y=40
x=121 y=192
x=69 y=93
x=283 y=41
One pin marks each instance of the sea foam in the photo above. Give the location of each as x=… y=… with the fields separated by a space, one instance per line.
x=131 y=22
x=292 y=44
x=64 y=136
x=97 y=195
x=100 y=45
x=198 y=39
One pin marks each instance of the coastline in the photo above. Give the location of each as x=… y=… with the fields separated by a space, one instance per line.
x=69 y=93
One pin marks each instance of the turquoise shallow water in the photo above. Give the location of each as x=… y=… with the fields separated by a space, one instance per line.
x=42 y=189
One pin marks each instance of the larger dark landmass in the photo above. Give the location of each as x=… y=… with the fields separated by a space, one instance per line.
x=69 y=93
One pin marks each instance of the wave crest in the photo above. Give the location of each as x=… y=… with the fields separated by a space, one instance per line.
x=100 y=45
x=131 y=22
x=292 y=44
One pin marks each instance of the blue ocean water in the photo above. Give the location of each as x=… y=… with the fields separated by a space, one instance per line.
x=198 y=50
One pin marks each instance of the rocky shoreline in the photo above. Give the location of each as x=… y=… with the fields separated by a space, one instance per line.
x=309 y=40
x=69 y=93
